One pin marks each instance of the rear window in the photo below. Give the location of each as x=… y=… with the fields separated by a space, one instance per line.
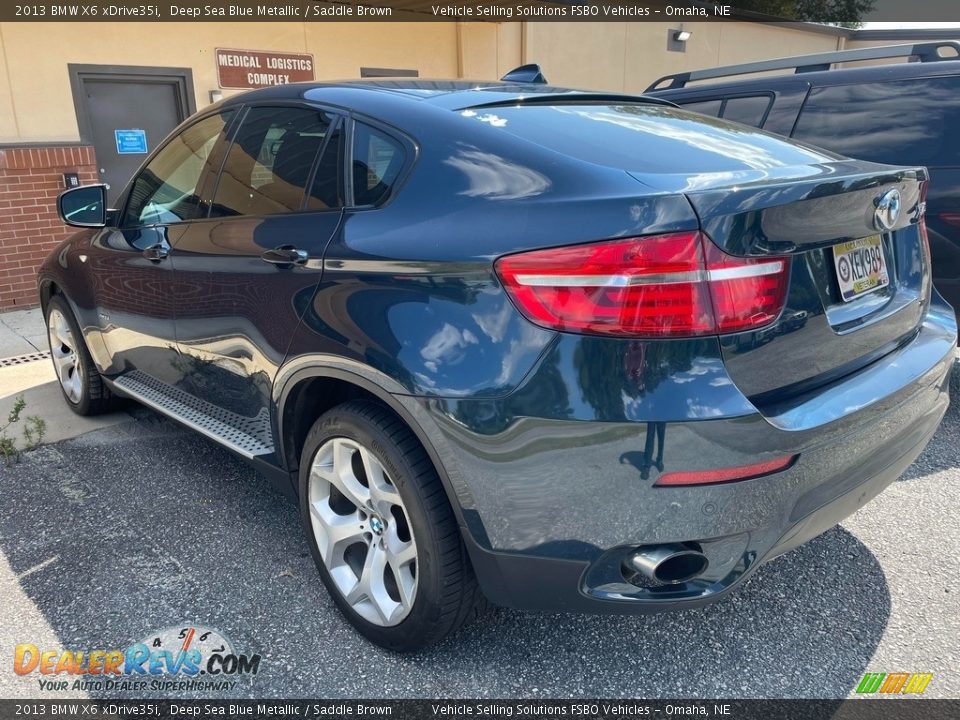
x=646 y=138
x=906 y=122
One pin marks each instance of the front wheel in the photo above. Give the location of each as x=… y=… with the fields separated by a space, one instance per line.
x=80 y=381
x=381 y=530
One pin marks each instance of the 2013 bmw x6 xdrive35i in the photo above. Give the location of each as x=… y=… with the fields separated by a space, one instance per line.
x=559 y=350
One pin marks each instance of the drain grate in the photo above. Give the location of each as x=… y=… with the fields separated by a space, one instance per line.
x=24 y=359
x=248 y=436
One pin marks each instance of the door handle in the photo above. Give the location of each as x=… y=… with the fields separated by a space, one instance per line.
x=285 y=255
x=156 y=253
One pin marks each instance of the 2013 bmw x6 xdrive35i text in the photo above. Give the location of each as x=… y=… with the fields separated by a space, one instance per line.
x=553 y=349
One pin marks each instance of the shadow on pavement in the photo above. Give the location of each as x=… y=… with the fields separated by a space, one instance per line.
x=144 y=526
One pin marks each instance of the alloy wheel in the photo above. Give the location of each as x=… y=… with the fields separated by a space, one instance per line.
x=63 y=350
x=362 y=531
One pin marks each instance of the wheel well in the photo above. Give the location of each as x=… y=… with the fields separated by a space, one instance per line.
x=47 y=291
x=307 y=401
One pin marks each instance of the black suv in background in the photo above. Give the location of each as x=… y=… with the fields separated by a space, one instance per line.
x=901 y=114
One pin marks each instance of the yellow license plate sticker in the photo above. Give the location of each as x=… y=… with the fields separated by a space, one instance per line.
x=861 y=267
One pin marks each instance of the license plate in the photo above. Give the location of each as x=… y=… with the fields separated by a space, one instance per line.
x=861 y=267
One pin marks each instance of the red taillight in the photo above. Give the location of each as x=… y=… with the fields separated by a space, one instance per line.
x=677 y=285
x=730 y=474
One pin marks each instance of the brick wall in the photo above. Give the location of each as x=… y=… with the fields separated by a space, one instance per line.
x=30 y=180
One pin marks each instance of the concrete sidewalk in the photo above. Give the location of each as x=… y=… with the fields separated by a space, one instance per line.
x=23 y=332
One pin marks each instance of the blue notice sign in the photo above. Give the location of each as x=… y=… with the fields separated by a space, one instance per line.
x=131 y=142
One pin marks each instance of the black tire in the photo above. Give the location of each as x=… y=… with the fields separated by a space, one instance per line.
x=94 y=396
x=447 y=594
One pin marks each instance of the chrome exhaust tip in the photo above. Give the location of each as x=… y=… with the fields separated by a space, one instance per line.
x=668 y=564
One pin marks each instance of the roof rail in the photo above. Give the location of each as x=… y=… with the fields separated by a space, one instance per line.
x=924 y=52
x=525 y=74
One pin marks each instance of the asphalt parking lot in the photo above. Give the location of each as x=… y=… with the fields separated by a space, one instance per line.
x=107 y=537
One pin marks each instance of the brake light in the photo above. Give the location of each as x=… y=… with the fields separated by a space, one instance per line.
x=678 y=285
x=729 y=474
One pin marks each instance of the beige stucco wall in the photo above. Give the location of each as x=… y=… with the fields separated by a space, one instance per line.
x=874 y=43
x=36 y=104
x=39 y=84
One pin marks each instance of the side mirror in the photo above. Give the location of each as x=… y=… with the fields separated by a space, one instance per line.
x=84 y=206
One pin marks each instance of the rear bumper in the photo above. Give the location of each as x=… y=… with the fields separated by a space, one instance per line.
x=551 y=507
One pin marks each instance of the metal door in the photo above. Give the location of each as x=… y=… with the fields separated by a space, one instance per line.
x=126 y=115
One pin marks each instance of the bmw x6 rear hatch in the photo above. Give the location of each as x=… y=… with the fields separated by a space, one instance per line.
x=859 y=276
x=846 y=237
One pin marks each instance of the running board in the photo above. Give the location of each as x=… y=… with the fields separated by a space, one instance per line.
x=249 y=437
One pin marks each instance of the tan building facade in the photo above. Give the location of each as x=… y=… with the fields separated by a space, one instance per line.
x=58 y=83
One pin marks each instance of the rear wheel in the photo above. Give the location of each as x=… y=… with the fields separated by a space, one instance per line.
x=381 y=530
x=80 y=381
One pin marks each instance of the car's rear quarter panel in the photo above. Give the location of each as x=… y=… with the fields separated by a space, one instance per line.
x=409 y=288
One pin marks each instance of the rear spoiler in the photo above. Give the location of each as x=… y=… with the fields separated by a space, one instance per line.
x=573 y=98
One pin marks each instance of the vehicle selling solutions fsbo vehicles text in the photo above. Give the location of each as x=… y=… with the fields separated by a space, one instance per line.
x=574 y=11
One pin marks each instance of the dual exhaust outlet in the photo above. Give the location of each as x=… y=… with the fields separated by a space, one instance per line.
x=668 y=564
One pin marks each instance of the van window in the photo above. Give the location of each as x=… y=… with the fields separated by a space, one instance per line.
x=903 y=122
x=704 y=107
x=747 y=110
x=268 y=166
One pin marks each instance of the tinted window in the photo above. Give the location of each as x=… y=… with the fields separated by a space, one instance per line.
x=641 y=138
x=747 y=110
x=907 y=122
x=706 y=107
x=377 y=161
x=268 y=165
x=326 y=191
x=167 y=189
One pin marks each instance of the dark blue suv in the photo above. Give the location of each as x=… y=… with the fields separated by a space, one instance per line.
x=558 y=350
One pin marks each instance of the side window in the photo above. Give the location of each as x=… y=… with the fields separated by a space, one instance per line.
x=267 y=168
x=704 y=107
x=377 y=161
x=747 y=110
x=167 y=189
x=902 y=122
x=326 y=190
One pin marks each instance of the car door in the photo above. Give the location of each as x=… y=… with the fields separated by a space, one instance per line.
x=246 y=274
x=132 y=270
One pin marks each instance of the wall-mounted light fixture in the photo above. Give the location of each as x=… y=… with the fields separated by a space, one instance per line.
x=216 y=96
x=677 y=39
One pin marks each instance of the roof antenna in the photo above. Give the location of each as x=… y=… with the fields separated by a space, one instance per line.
x=525 y=74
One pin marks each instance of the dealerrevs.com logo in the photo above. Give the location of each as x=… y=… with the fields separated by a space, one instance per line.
x=180 y=658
